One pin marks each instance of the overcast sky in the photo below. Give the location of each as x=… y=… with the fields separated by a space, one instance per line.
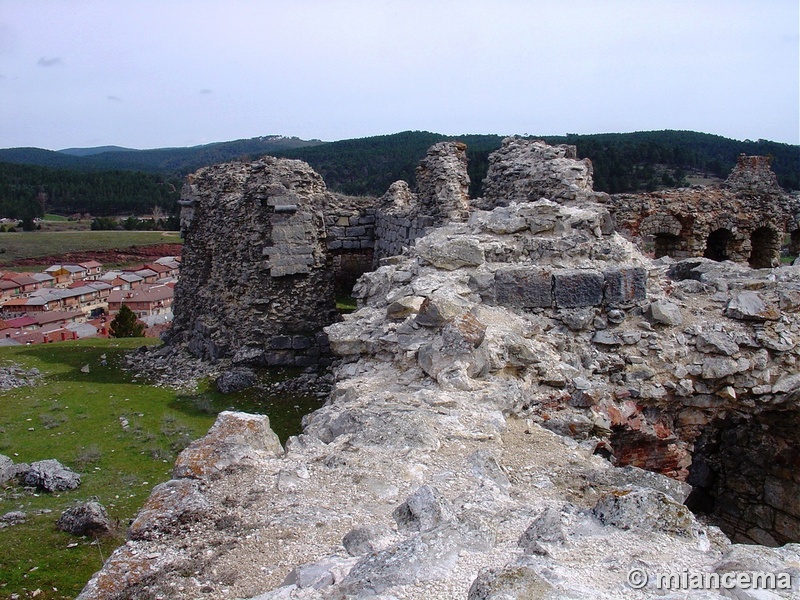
x=155 y=73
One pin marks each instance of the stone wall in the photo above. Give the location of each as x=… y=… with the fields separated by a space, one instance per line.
x=443 y=183
x=442 y=195
x=396 y=232
x=350 y=224
x=744 y=220
x=256 y=281
x=746 y=474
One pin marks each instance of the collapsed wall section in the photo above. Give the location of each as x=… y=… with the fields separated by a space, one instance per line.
x=256 y=282
x=525 y=170
x=442 y=195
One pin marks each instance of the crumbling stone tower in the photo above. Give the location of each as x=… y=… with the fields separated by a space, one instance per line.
x=256 y=281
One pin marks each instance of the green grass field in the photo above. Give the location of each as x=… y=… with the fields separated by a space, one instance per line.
x=76 y=417
x=14 y=246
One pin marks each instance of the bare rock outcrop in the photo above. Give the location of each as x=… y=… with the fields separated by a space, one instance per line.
x=85 y=518
x=51 y=476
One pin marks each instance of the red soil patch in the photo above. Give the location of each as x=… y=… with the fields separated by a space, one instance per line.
x=133 y=254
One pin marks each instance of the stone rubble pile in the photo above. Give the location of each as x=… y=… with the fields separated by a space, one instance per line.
x=431 y=471
x=14 y=377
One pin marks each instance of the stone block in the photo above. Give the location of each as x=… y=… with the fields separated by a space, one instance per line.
x=280 y=342
x=280 y=358
x=664 y=311
x=575 y=288
x=293 y=234
x=783 y=495
x=787 y=526
x=283 y=271
x=749 y=306
x=524 y=288
x=282 y=200
x=305 y=361
x=300 y=342
x=355 y=231
x=627 y=284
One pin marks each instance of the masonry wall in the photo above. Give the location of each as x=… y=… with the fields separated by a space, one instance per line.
x=745 y=219
x=393 y=232
x=256 y=281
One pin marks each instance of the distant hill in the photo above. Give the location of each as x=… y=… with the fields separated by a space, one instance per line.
x=368 y=166
x=95 y=150
x=166 y=161
x=110 y=180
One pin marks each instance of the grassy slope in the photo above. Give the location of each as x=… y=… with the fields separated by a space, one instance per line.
x=75 y=418
x=18 y=245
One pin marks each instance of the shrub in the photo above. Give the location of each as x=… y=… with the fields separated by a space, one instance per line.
x=125 y=324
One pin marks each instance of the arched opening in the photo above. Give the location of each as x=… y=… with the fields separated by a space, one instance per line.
x=718 y=244
x=765 y=248
x=666 y=244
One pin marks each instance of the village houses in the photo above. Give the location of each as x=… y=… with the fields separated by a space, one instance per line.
x=71 y=301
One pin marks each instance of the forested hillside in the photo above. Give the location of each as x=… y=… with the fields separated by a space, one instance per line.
x=623 y=162
x=368 y=166
x=29 y=191
x=626 y=162
x=123 y=181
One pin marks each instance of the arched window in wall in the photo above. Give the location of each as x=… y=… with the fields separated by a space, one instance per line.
x=765 y=248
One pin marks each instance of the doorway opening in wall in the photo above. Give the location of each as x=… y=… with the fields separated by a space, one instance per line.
x=765 y=248
x=347 y=268
x=718 y=244
x=666 y=244
x=791 y=247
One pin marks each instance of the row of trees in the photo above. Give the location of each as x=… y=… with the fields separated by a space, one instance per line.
x=133 y=223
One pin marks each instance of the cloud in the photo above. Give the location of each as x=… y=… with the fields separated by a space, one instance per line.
x=50 y=62
x=206 y=91
x=114 y=98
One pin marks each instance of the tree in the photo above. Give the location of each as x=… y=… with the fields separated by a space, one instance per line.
x=125 y=324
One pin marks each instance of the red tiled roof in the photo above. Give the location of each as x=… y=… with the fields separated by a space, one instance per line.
x=18 y=322
x=155 y=293
x=90 y=264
